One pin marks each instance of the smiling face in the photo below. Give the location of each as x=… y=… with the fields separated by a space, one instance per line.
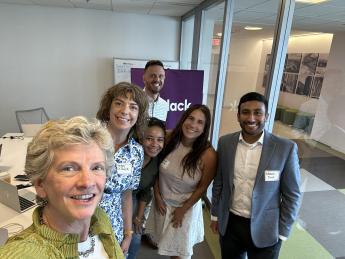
x=123 y=113
x=252 y=117
x=153 y=141
x=153 y=78
x=74 y=183
x=193 y=126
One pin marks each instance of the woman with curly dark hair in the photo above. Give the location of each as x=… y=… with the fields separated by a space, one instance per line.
x=123 y=110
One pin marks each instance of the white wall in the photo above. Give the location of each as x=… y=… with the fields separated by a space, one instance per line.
x=329 y=124
x=62 y=58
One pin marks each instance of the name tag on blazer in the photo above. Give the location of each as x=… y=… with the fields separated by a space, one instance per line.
x=272 y=175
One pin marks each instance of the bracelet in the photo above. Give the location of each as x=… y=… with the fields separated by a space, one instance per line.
x=128 y=232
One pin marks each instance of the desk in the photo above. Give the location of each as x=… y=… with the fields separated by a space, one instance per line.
x=12 y=160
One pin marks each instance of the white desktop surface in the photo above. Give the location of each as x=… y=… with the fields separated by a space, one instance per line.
x=13 y=160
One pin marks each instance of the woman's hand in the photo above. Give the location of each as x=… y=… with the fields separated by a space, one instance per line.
x=177 y=217
x=127 y=220
x=160 y=205
x=138 y=225
x=214 y=226
x=125 y=244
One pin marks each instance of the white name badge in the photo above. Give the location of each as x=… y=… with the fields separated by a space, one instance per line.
x=124 y=168
x=165 y=163
x=272 y=175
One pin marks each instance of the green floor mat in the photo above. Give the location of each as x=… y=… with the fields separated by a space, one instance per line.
x=301 y=245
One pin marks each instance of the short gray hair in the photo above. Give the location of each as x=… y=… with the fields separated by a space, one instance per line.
x=59 y=133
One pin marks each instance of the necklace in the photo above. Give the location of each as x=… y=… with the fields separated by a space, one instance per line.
x=89 y=251
x=86 y=253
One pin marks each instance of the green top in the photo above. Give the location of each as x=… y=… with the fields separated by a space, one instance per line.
x=40 y=241
x=147 y=180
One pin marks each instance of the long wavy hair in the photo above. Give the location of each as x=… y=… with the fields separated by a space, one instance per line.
x=190 y=160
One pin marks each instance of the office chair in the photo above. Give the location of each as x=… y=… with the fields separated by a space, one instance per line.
x=30 y=121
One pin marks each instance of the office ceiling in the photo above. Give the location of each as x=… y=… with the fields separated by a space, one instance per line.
x=151 y=7
x=328 y=16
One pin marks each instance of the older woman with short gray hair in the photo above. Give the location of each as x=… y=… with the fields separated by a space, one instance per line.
x=67 y=163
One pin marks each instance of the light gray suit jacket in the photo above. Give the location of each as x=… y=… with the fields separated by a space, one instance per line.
x=275 y=204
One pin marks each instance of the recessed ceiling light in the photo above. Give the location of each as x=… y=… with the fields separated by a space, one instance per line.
x=311 y=1
x=252 y=28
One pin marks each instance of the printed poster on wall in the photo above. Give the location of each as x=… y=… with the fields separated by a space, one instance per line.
x=303 y=73
x=182 y=88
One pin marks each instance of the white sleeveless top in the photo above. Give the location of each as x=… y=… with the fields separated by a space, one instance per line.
x=174 y=188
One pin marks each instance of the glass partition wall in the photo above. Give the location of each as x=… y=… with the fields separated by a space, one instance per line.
x=252 y=25
x=186 y=43
x=306 y=88
x=208 y=59
x=310 y=111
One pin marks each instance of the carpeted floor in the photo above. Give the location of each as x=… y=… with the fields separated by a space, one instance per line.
x=321 y=218
x=310 y=149
x=329 y=169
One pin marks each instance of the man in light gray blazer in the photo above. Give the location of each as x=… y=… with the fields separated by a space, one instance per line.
x=256 y=194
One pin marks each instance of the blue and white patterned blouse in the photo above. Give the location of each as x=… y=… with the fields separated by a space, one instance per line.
x=125 y=175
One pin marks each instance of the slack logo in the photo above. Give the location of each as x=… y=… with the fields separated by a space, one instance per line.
x=178 y=106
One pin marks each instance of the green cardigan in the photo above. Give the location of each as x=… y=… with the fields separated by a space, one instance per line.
x=40 y=241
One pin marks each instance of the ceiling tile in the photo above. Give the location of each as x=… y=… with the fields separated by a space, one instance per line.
x=170 y=10
x=142 y=8
x=329 y=15
x=245 y=4
x=250 y=15
x=336 y=3
x=53 y=3
x=193 y=2
x=318 y=10
x=21 y=2
x=268 y=6
x=135 y=1
x=92 y=4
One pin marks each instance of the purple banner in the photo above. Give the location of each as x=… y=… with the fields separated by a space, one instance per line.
x=181 y=89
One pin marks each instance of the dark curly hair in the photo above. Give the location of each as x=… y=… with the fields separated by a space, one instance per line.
x=124 y=89
x=154 y=122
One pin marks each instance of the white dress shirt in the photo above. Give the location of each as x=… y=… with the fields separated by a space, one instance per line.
x=158 y=108
x=247 y=161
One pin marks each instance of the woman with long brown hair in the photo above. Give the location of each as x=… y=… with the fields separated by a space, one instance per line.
x=187 y=168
